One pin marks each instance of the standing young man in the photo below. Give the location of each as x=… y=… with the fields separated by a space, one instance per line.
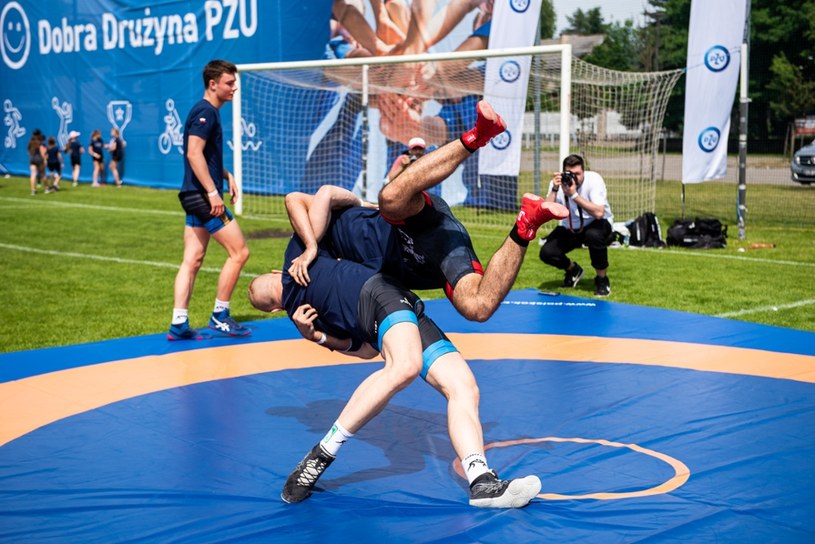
x=201 y=197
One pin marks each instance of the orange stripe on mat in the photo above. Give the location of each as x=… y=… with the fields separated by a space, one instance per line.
x=30 y=403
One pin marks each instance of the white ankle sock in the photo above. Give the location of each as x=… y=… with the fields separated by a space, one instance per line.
x=474 y=466
x=180 y=315
x=335 y=438
x=220 y=306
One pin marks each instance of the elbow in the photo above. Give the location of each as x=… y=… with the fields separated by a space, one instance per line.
x=294 y=198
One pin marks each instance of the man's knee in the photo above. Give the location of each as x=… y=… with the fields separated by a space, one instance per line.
x=194 y=261
x=403 y=373
x=597 y=239
x=550 y=253
x=387 y=198
x=470 y=301
x=242 y=254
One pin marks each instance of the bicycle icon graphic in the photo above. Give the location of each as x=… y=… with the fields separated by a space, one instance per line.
x=173 y=135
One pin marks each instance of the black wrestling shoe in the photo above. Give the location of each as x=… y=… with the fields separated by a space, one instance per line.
x=488 y=491
x=302 y=479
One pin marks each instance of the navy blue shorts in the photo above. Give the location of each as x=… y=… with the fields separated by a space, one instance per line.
x=197 y=207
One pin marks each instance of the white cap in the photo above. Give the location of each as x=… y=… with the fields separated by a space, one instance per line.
x=417 y=142
x=73 y=134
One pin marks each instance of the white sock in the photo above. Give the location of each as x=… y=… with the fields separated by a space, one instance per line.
x=335 y=438
x=474 y=465
x=180 y=315
x=220 y=306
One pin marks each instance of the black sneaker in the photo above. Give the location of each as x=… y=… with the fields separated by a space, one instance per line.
x=573 y=276
x=488 y=491
x=602 y=286
x=302 y=479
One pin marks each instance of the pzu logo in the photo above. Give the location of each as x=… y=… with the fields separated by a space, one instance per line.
x=519 y=6
x=717 y=58
x=709 y=139
x=502 y=141
x=510 y=71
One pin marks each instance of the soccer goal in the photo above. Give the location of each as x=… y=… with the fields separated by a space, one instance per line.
x=299 y=125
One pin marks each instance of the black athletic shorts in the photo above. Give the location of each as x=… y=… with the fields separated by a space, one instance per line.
x=436 y=247
x=384 y=302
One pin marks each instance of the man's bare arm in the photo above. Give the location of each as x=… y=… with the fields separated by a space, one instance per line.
x=309 y=217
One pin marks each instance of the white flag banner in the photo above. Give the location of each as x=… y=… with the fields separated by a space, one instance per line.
x=514 y=23
x=714 y=48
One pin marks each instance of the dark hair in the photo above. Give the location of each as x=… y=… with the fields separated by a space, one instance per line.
x=574 y=160
x=216 y=68
x=52 y=140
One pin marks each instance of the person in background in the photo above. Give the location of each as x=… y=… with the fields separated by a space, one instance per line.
x=97 y=150
x=201 y=196
x=416 y=148
x=75 y=149
x=589 y=223
x=117 y=155
x=53 y=159
x=36 y=159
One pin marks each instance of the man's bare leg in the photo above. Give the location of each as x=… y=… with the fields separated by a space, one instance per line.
x=402 y=197
x=452 y=377
x=402 y=351
x=477 y=297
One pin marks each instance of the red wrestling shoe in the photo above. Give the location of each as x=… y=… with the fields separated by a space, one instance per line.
x=535 y=211
x=488 y=124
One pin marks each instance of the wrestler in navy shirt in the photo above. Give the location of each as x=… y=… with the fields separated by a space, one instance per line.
x=333 y=291
x=204 y=121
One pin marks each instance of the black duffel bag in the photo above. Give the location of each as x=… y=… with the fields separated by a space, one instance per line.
x=698 y=234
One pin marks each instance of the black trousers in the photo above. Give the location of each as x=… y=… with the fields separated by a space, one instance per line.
x=596 y=236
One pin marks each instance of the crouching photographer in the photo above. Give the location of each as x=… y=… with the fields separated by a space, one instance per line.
x=589 y=223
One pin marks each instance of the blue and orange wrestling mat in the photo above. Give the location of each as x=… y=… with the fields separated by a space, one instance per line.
x=644 y=425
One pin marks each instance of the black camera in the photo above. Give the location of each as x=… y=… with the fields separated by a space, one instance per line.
x=567 y=179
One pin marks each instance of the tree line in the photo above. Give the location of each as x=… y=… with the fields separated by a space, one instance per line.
x=781 y=56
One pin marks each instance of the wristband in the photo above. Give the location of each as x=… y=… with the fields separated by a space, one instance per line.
x=322 y=339
x=212 y=193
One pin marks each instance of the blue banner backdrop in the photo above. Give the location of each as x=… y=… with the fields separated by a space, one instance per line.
x=80 y=65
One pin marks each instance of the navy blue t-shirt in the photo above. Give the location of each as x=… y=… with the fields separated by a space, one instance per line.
x=204 y=121
x=75 y=147
x=118 y=152
x=333 y=291
x=361 y=235
x=98 y=147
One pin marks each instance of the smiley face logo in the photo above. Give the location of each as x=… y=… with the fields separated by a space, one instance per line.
x=15 y=35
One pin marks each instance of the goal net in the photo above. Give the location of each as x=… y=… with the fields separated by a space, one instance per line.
x=297 y=126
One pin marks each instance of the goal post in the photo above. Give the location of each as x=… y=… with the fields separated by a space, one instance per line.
x=298 y=125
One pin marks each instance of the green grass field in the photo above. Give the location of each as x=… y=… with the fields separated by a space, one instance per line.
x=88 y=264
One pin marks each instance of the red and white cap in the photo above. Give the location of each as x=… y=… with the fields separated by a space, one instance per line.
x=417 y=142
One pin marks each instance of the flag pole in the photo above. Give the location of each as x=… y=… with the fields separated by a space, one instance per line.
x=744 y=101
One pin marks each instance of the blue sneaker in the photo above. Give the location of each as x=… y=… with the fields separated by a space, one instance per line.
x=223 y=322
x=183 y=331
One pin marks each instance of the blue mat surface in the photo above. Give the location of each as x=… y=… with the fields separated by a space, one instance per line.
x=205 y=462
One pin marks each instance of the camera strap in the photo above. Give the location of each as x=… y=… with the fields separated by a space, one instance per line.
x=579 y=212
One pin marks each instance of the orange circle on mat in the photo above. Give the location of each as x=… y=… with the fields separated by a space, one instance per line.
x=681 y=471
